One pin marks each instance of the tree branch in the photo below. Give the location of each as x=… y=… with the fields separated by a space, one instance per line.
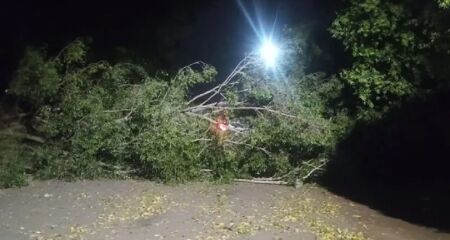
x=249 y=145
x=259 y=181
x=316 y=168
x=215 y=90
x=212 y=106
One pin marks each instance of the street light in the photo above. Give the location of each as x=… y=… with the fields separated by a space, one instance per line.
x=269 y=53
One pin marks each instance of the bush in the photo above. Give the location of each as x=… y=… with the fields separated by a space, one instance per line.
x=12 y=164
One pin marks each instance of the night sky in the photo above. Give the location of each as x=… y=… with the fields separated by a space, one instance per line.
x=158 y=34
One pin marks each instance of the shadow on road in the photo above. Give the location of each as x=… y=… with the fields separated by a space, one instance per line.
x=400 y=165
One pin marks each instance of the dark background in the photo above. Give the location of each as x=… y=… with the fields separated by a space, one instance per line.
x=158 y=34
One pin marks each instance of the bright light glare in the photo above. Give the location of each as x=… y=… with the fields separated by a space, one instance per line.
x=223 y=127
x=269 y=53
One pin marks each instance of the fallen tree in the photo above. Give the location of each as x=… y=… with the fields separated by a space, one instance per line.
x=100 y=119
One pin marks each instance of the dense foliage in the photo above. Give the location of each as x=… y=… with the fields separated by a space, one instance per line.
x=385 y=49
x=444 y=3
x=12 y=168
x=397 y=82
x=390 y=43
x=116 y=120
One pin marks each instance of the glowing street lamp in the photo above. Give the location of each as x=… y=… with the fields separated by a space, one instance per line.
x=269 y=53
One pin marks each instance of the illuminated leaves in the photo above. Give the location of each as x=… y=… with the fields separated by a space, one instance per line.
x=444 y=3
x=195 y=73
x=74 y=53
x=386 y=43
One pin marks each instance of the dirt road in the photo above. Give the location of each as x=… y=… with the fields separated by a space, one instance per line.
x=144 y=210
